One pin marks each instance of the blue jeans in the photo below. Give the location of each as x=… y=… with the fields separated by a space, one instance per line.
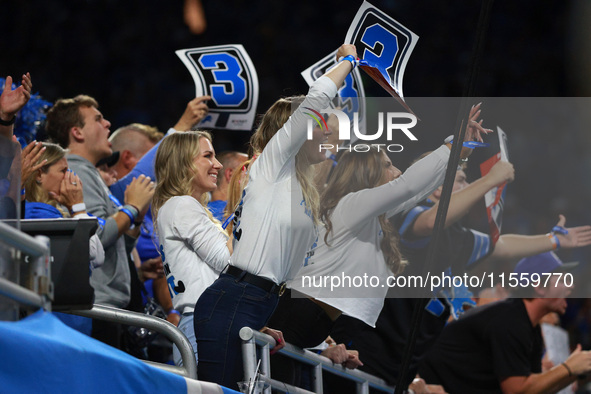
x=222 y=310
x=186 y=326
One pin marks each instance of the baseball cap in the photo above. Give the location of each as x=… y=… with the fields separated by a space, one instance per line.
x=543 y=263
x=109 y=161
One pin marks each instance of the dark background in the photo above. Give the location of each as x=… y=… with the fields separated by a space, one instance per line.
x=122 y=53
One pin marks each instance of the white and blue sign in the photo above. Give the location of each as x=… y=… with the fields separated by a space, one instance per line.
x=383 y=44
x=227 y=74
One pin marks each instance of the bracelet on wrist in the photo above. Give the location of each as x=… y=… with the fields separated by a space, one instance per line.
x=131 y=213
x=174 y=311
x=352 y=60
x=8 y=122
x=554 y=239
x=76 y=208
x=570 y=372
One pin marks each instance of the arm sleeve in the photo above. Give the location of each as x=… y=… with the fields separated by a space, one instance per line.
x=97 y=204
x=192 y=224
x=420 y=180
x=285 y=144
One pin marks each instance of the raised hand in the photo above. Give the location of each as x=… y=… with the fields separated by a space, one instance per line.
x=501 y=172
x=12 y=101
x=576 y=236
x=474 y=129
x=139 y=192
x=194 y=113
x=31 y=155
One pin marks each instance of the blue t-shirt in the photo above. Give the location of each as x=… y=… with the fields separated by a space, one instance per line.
x=217 y=209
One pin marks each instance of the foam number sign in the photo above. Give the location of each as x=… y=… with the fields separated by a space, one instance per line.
x=350 y=97
x=226 y=73
x=384 y=46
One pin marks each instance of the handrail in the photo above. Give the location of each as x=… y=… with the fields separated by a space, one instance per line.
x=22 y=241
x=251 y=338
x=122 y=316
x=20 y=294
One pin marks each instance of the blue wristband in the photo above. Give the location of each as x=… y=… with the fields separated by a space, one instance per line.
x=351 y=59
x=560 y=230
x=471 y=144
x=174 y=311
x=129 y=214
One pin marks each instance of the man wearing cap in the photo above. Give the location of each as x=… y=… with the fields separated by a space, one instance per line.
x=498 y=347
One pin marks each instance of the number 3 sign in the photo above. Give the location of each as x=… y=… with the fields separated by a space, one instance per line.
x=226 y=73
x=383 y=44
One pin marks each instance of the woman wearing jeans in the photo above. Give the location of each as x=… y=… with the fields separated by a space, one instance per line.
x=274 y=226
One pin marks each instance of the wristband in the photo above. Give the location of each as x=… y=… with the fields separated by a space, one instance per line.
x=8 y=122
x=469 y=144
x=570 y=373
x=554 y=240
x=174 y=311
x=351 y=59
x=133 y=210
x=129 y=215
x=559 y=229
x=80 y=207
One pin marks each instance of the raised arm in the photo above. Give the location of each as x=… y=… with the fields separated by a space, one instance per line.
x=12 y=101
x=463 y=200
x=514 y=246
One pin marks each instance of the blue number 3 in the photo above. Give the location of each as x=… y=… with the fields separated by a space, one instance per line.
x=229 y=74
x=378 y=34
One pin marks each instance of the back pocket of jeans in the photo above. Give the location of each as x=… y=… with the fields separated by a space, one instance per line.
x=206 y=305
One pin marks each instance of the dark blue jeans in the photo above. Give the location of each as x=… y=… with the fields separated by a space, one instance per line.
x=222 y=310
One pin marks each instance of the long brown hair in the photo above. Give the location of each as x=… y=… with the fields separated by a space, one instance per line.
x=270 y=123
x=357 y=171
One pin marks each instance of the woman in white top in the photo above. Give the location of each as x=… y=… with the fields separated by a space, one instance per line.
x=364 y=191
x=192 y=243
x=274 y=226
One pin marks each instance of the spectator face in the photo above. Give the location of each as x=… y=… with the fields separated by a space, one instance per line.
x=390 y=172
x=207 y=167
x=460 y=182
x=96 y=132
x=51 y=180
x=108 y=174
x=312 y=147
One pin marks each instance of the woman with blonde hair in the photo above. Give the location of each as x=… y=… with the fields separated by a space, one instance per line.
x=192 y=243
x=52 y=191
x=274 y=225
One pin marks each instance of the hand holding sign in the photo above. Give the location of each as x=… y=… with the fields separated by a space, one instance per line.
x=384 y=46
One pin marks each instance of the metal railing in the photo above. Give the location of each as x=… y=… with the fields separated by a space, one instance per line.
x=116 y=315
x=251 y=338
x=38 y=292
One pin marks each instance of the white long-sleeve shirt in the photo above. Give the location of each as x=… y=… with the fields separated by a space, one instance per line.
x=273 y=227
x=355 y=239
x=193 y=250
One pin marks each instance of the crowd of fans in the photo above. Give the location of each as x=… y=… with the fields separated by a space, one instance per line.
x=168 y=235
